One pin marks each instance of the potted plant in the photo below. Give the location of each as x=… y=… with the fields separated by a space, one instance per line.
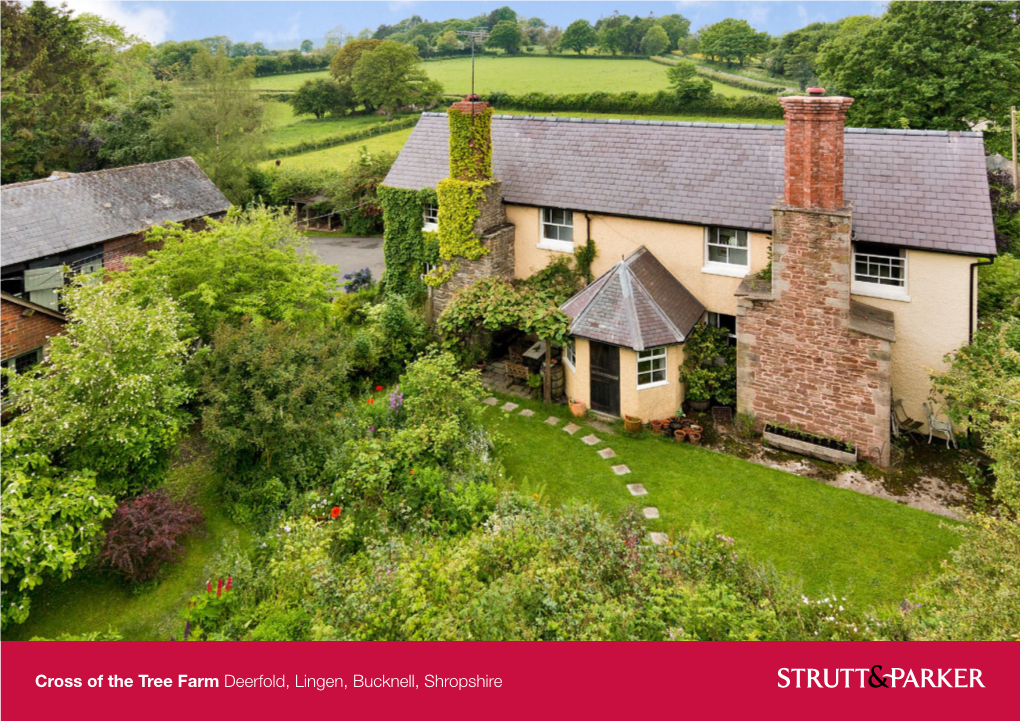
x=698 y=384
x=632 y=424
x=680 y=435
x=535 y=384
x=657 y=426
x=694 y=437
x=576 y=408
x=710 y=368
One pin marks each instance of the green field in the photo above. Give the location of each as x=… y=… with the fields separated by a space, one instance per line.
x=831 y=540
x=340 y=156
x=289 y=129
x=528 y=75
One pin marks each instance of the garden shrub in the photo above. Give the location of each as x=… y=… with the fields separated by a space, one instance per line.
x=660 y=103
x=270 y=391
x=406 y=252
x=146 y=534
x=251 y=264
x=109 y=399
x=710 y=365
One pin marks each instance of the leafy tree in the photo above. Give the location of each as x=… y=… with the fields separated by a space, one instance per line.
x=218 y=118
x=391 y=77
x=999 y=289
x=507 y=36
x=676 y=26
x=686 y=83
x=172 y=60
x=341 y=67
x=732 y=39
x=109 y=400
x=421 y=44
x=939 y=65
x=307 y=46
x=52 y=78
x=251 y=264
x=130 y=135
x=240 y=50
x=795 y=53
x=579 y=36
x=553 y=36
x=318 y=97
x=500 y=15
x=1005 y=212
x=655 y=41
x=51 y=521
x=448 y=42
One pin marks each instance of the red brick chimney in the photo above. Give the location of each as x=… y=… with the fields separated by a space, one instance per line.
x=814 y=149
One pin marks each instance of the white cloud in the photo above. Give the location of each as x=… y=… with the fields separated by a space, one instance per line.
x=148 y=23
x=289 y=34
x=802 y=14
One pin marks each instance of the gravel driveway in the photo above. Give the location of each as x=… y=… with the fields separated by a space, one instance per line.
x=351 y=253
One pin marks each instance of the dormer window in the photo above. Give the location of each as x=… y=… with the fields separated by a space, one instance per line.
x=726 y=251
x=430 y=215
x=557 y=230
x=880 y=271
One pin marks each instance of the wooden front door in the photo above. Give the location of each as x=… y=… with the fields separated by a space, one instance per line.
x=605 y=378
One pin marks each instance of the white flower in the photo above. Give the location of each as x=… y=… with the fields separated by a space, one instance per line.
x=286 y=529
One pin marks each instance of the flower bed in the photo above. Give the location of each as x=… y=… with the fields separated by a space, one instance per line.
x=832 y=450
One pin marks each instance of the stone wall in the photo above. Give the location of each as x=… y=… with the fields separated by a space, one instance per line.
x=23 y=329
x=497 y=235
x=799 y=362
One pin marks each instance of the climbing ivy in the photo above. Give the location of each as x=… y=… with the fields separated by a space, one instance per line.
x=405 y=249
x=456 y=238
x=470 y=145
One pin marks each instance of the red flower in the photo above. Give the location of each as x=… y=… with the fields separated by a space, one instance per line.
x=371 y=400
x=335 y=512
x=230 y=582
x=378 y=388
x=412 y=471
x=219 y=587
x=208 y=586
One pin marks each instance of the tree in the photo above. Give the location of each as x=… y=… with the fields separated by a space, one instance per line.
x=318 y=97
x=218 y=118
x=655 y=41
x=52 y=77
x=731 y=40
x=251 y=264
x=421 y=44
x=499 y=15
x=109 y=400
x=939 y=65
x=341 y=67
x=172 y=60
x=448 y=42
x=676 y=26
x=579 y=36
x=129 y=135
x=795 y=53
x=553 y=35
x=307 y=46
x=391 y=77
x=507 y=36
x=216 y=44
x=686 y=83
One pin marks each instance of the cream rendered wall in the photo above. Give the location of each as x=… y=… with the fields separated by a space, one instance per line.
x=646 y=403
x=931 y=324
x=681 y=248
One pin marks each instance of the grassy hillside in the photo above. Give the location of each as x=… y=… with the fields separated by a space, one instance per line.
x=289 y=129
x=528 y=75
x=341 y=156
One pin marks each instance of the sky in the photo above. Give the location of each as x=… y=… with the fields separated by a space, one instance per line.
x=285 y=24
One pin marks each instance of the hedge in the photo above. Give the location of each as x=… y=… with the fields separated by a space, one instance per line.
x=308 y=146
x=660 y=103
x=734 y=81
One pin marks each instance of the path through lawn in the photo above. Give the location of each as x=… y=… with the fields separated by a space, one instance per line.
x=833 y=540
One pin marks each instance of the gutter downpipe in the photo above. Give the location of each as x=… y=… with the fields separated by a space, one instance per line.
x=970 y=316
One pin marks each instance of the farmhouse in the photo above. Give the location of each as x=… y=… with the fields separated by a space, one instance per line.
x=870 y=237
x=78 y=223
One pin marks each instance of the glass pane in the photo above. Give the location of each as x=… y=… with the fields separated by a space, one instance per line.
x=568 y=217
x=738 y=256
x=546 y=215
x=658 y=376
x=716 y=254
x=567 y=233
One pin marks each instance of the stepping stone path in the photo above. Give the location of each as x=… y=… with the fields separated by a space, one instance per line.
x=552 y=420
x=527 y=413
x=509 y=406
x=490 y=401
x=621 y=470
x=592 y=439
x=658 y=538
x=572 y=428
x=650 y=512
x=636 y=489
x=607 y=453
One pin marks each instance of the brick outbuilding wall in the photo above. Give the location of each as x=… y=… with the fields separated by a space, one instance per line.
x=22 y=329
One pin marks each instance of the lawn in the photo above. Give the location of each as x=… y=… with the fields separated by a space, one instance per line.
x=289 y=129
x=340 y=156
x=95 y=601
x=832 y=540
x=529 y=75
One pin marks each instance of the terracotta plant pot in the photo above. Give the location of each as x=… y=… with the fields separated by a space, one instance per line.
x=657 y=427
x=577 y=409
x=632 y=424
x=694 y=437
x=695 y=428
x=680 y=436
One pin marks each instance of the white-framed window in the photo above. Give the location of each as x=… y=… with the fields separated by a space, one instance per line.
x=430 y=216
x=557 y=230
x=651 y=367
x=727 y=251
x=880 y=271
x=569 y=355
x=721 y=320
x=21 y=363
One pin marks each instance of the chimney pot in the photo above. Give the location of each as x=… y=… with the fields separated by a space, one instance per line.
x=816 y=91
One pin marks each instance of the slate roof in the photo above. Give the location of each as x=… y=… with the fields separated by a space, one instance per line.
x=73 y=210
x=636 y=304
x=922 y=189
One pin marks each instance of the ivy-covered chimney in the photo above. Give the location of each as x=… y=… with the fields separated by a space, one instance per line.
x=470 y=139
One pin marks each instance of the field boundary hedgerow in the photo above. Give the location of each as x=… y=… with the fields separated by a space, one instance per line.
x=332 y=141
x=734 y=81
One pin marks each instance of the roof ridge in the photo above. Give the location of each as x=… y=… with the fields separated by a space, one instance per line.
x=658 y=308
x=70 y=175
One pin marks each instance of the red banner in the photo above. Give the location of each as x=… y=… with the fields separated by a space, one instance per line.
x=506 y=680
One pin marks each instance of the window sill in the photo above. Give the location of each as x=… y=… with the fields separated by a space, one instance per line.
x=430 y=227
x=730 y=271
x=559 y=246
x=652 y=385
x=877 y=291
